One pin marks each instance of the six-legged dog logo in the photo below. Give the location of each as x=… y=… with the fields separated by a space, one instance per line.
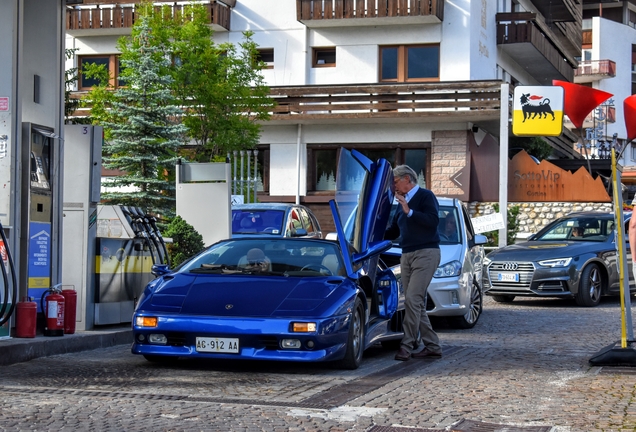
x=532 y=110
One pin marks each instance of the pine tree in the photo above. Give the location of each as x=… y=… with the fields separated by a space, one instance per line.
x=147 y=129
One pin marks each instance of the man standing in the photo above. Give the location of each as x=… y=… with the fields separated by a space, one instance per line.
x=417 y=220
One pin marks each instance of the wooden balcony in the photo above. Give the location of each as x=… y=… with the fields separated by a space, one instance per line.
x=560 y=10
x=532 y=44
x=594 y=70
x=439 y=102
x=117 y=19
x=343 y=13
x=422 y=102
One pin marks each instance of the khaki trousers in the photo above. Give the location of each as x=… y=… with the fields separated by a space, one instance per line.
x=417 y=270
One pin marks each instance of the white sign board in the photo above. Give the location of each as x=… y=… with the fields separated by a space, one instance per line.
x=238 y=199
x=487 y=223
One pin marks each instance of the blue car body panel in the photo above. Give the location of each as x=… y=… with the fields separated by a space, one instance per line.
x=214 y=296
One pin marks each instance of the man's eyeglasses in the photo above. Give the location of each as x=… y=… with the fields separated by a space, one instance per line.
x=256 y=262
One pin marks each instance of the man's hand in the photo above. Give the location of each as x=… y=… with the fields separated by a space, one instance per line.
x=403 y=203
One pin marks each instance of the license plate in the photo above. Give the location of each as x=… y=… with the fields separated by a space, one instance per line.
x=508 y=277
x=217 y=345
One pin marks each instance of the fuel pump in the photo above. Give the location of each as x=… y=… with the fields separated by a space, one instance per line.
x=143 y=220
x=138 y=228
x=153 y=224
x=7 y=300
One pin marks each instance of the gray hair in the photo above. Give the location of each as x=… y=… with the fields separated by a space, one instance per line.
x=405 y=171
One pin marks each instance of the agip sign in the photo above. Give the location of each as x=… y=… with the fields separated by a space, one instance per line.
x=537 y=111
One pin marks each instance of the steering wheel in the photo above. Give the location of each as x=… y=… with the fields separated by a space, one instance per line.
x=318 y=268
x=269 y=230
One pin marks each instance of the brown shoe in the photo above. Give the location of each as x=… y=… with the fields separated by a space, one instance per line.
x=426 y=353
x=403 y=354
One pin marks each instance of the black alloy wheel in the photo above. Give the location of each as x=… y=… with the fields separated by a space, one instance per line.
x=355 y=341
x=475 y=308
x=590 y=287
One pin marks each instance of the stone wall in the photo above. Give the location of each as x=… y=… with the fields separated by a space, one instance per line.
x=534 y=216
x=448 y=156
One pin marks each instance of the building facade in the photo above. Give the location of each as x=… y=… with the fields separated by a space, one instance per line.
x=416 y=82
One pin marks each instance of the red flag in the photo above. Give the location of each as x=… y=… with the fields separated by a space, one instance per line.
x=580 y=100
x=629 y=108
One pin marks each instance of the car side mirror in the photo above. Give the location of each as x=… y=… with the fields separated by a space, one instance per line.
x=160 y=270
x=300 y=232
x=480 y=239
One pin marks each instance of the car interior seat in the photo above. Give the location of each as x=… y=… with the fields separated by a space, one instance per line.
x=243 y=263
x=331 y=262
x=247 y=225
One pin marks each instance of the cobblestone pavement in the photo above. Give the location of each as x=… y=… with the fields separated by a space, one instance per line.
x=523 y=367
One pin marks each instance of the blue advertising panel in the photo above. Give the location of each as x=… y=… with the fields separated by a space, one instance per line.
x=39 y=260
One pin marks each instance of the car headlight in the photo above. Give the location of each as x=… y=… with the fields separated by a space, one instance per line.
x=556 y=262
x=487 y=261
x=453 y=268
x=146 y=321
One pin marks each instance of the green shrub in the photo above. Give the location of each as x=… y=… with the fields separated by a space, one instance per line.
x=186 y=241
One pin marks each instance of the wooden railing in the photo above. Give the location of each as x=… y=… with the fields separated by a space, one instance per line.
x=513 y=28
x=117 y=17
x=596 y=67
x=440 y=101
x=346 y=9
x=372 y=101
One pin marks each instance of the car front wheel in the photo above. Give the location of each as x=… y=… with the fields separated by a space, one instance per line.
x=474 y=310
x=353 y=356
x=589 y=294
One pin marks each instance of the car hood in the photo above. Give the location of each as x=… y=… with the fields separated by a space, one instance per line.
x=450 y=253
x=540 y=250
x=237 y=295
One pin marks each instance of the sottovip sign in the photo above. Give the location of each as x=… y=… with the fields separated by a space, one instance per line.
x=537 y=111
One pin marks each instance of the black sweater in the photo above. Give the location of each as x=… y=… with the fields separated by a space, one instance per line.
x=420 y=230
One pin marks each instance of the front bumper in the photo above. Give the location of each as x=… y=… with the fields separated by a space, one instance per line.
x=532 y=280
x=448 y=297
x=259 y=339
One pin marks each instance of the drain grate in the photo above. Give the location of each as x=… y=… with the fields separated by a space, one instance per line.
x=477 y=426
x=618 y=370
x=466 y=426
x=402 y=429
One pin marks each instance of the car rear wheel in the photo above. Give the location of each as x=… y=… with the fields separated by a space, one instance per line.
x=353 y=356
x=589 y=294
x=503 y=298
x=474 y=311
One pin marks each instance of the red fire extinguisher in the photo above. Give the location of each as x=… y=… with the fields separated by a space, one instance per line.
x=25 y=318
x=52 y=304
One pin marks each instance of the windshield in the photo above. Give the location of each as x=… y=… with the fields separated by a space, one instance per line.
x=583 y=228
x=275 y=256
x=248 y=221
